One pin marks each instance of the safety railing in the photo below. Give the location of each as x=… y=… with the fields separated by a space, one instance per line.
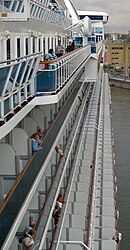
x=54 y=74
x=17 y=77
x=73 y=143
x=38 y=10
x=17 y=82
x=96 y=47
x=22 y=10
x=70 y=242
x=90 y=212
x=15 y=198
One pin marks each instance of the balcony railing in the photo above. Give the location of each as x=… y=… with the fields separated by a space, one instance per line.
x=17 y=82
x=96 y=47
x=17 y=76
x=22 y=10
x=53 y=75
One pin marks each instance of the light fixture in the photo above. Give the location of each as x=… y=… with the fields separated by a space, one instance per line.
x=5 y=35
x=34 y=33
x=39 y=34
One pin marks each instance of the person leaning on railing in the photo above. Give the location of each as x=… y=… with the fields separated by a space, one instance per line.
x=27 y=237
x=51 y=55
x=57 y=209
x=35 y=143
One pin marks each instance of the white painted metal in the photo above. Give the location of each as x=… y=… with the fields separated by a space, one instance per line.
x=74 y=243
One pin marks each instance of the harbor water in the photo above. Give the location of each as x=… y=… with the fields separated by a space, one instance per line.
x=121 y=129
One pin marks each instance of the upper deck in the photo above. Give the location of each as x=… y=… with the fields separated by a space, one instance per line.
x=30 y=79
x=95 y=16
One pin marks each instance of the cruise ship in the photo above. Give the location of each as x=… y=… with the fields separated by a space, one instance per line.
x=69 y=98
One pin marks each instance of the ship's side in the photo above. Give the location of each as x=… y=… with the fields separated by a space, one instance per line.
x=69 y=98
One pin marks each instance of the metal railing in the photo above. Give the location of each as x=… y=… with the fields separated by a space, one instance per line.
x=21 y=10
x=17 y=77
x=23 y=180
x=74 y=243
x=17 y=82
x=46 y=212
x=95 y=48
x=53 y=75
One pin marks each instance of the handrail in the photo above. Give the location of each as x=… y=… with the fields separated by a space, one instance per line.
x=20 y=58
x=18 y=182
x=54 y=234
x=52 y=182
x=92 y=190
x=13 y=188
x=51 y=186
x=71 y=168
x=62 y=57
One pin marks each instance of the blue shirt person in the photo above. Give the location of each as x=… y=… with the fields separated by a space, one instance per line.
x=50 y=56
x=35 y=143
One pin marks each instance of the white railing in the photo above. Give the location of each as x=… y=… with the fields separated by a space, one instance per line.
x=39 y=11
x=12 y=9
x=17 y=77
x=61 y=70
x=98 y=46
x=22 y=10
x=17 y=82
x=74 y=243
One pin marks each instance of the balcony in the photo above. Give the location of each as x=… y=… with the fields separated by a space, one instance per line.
x=19 y=83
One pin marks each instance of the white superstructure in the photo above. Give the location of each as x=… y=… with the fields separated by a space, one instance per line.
x=64 y=97
x=98 y=19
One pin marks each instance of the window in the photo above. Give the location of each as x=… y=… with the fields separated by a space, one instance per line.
x=117 y=47
x=44 y=45
x=33 y=45
x=39 y=45
x=51 y=42
x=8 y=49
x=95 y=17
x=18 y=47
x=26 y=46
x=98 y=30
x=92 y=17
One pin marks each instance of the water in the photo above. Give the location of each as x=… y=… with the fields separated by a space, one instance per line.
x=121 y=127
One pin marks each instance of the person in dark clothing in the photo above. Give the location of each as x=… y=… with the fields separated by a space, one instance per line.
x=57 y=209
x=70 y=47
